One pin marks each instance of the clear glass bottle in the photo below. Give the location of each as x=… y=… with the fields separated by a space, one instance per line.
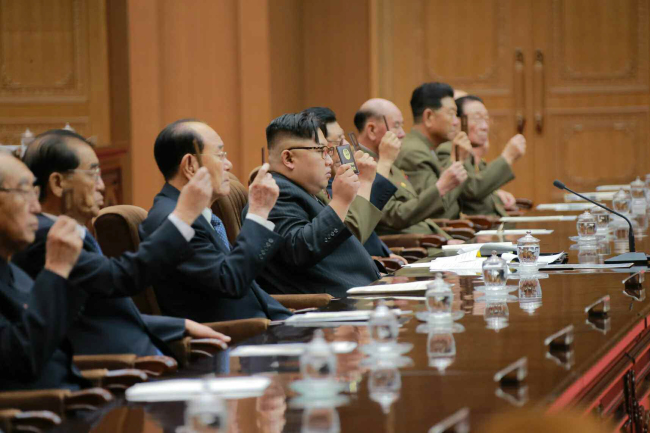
x=637 y=188
x=638 y=206
x=586 y=225
x=528 y=250
x=439 y=298
x=621 y=201
x=588 y=253
x=383 y=325
x=495 y=272
x=318 y=361
x=602 y=219
x=320 y=418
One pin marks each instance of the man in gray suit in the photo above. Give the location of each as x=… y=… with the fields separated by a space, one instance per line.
x=318 y=254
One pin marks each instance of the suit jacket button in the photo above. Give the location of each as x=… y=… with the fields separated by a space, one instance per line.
x=270 y=241
x=336 y=231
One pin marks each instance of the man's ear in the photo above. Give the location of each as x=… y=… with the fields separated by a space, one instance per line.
x=428 y=117
x=188 y=166
x=55 y=183
x=287 y=159
x=371 y=129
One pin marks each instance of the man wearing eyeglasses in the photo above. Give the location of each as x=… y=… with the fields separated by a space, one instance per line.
x=480 y=195
x=218 y=282
x=318 y=254
x=110 y=322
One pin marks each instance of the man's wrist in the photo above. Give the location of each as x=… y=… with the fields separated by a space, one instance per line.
x=262 y=213
x=441 y=189
x=60 y=269
x=383 y=167
x=186 y=217
x=509 y=159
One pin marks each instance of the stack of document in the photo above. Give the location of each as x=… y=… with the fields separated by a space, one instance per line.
x=186 y=389
x=391 y=288
x=514 y=232
x=530 y=219
x=337 y=316
x=289 y=349
x=598 y=196
x=463 y=248
x=565 y=207
x=465 y=263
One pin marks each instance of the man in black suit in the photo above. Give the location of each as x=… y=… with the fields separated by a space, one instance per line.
x=35 y=316
x=110 y=323
x=378 y=190
x=319 y=253
x=217 y=283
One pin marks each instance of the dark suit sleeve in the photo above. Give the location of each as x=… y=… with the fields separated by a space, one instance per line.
x=306 y=241
x=132 y=272
x=166 y=328
x=29 y=342
x=229 y=275
x=382 y=190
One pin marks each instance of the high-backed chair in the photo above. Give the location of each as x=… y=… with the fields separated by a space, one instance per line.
x=14 y=420
x=117 y=233
x=56 y=401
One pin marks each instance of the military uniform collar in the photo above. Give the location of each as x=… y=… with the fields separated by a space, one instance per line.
x=423 y=139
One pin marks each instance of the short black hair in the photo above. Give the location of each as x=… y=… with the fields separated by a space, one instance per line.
x=429 y=95
x=173 y=143
x=300 y=125
x=322 y=116
x=460 y=102
x=50 y=153
x=361 y=118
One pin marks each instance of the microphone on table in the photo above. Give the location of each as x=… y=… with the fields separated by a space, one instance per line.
x=632 y=256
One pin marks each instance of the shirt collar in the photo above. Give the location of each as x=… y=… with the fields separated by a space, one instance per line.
x=80 y=229
x=207 y=214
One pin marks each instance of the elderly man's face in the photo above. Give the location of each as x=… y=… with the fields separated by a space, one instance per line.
x=86 y=184
x=18 y=205
x=214 y=159
x=395 y=121
x=311 y=167
x=478 y=122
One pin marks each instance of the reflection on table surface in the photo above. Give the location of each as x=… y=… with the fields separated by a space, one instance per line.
x=449 y=368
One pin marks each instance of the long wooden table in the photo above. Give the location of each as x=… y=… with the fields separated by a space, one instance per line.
x=604 y=370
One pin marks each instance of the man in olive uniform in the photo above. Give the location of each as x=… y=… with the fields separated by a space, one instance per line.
x=485 y=200
x=407 y=211
x=436 y=123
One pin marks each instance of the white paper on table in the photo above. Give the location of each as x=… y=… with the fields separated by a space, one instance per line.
x=612 y=187
x=470 y=247
x=473 y=266
x=338 y=316
x=514 y=232
x=598 y=196
x=405 y=298
x=391 y=288
x=565 y=206
x=530 y=219
x=289 y=349
x=508 y=257
x=186 y=389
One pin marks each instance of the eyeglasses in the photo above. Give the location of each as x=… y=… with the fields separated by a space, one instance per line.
x=96 y=172
x=477 y=118
x=29 y=193
x=323 y=149
x=221 y=155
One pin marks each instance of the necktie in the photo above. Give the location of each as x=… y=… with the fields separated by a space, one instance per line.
x=217 y=224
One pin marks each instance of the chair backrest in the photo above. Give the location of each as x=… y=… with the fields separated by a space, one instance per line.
x=117 y=232
x=230 y=207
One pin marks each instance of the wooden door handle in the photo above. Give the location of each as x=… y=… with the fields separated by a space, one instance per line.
x=538 y=73
x=520 y=92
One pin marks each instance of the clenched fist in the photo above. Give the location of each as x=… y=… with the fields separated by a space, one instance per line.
x=263 y=193
x=367 y=166
x=345 y=185
x=453 y=176
x=195 y=196
x=63 y=246
x=389 y=148
x=464 y=146
x=515 y=149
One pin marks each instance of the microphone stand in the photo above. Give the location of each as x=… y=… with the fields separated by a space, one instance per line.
x=637 y=258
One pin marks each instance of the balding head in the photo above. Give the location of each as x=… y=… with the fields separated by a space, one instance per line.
x=18 y=206
x=369 y=121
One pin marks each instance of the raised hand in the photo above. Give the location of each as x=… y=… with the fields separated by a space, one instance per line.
x=263 y=193
x=367 y=166
x=453 y=176
x=515 y=149
x=195 y=196
x=63 y=246
x=389 y=148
